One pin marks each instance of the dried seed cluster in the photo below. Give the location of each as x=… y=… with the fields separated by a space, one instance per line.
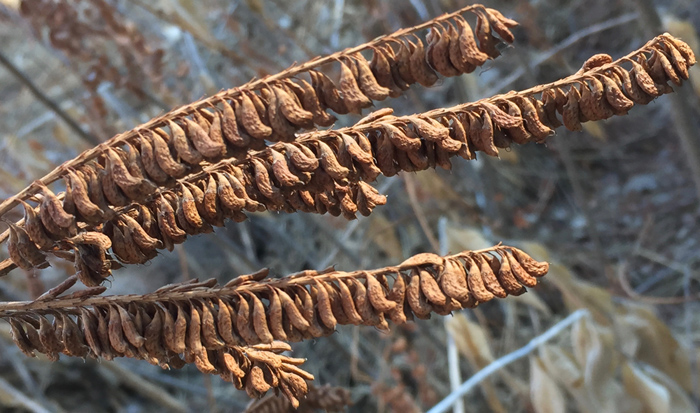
x=135 y=172
x=327 y=171
x=133 y=165
x=191 y=169
x=233 y=330
x=194 y=318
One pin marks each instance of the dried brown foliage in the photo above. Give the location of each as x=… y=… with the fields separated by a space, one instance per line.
x=220 y=329
x=151 y=191
x=326 y=397
x=326 y=171
x=274 y=108
x=188 y=171
x=91 y=33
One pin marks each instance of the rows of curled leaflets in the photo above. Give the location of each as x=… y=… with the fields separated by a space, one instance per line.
x=257 y=147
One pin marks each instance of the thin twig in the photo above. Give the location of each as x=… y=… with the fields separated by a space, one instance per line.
x=498 y=364
x=410 y=184
x=145 y=388
x=560 y=47
x=682 y=103
x=36 y=91
x=19 y=399
x=452 y=353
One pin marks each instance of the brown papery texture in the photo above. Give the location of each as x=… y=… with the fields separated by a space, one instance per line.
x=220 y=329
x=132 y=165
x=328 y=171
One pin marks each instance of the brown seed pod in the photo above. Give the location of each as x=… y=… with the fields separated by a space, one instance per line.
x=182 y=144
x=533 y=124
x=283 y=130
x=506 y=278
x=400 y=140
x=549 y=107
x=229 y=126
x=401 y=69
x=470 y=51
x=23 y=252
x=366 y=81
x=211 y=211
x=210 y=146
x=453 y=281
x=353 y=97
x=310 y=102
x=420 y=70
x=51 y=209
x=87 y=209
x=570 y=114
x=327 y=92
x=142 y=239
x=520 y=274
x=329 y=162
x=150 y=164
x=301 y=157
x=619 y=103
x=482 y=138
x=167 y=222
x=487 y=42
x=35 y=228
x=133 y=187
x=596 y=61
x=475 y=281
x=397 y=315
x=382 y=72
x=248 y=116
x=164 y=157
x=500 y=24
x=438 y=51
x=489 y=278
x=457 y=59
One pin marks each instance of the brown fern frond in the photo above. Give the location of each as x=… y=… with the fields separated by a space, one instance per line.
x=327 y=171
x=326 y=397
x=274 y=108
x=196 y=317
x=116 y=330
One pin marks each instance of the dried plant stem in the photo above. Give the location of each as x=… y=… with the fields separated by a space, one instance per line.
x=37 y=92
x=682 y=103
x=498 y=364
x=332 y=167
x=145 y=388
x=238 y=330
x=212 y=101
x=19 y=399
x=241 y=283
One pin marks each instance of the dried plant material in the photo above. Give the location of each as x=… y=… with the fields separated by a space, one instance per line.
x=594 y=351
x=545 y=394
x=323 y=171
x=207 y=323
x=274 y=108
x=261 y=308
x=326 y=397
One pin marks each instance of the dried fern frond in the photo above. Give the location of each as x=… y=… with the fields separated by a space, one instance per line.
x=194 y=317
x=326 y=397
x=327 y=171
x=116 y=330
x=230 y=123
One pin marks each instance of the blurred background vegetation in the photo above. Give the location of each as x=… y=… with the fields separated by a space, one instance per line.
x=614 y=209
